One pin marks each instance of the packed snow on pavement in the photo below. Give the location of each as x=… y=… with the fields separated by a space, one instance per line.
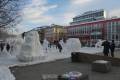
x=5 y=73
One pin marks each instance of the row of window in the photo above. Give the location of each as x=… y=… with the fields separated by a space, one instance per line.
x=111 y=28
x=94 y=15
x=84 y=29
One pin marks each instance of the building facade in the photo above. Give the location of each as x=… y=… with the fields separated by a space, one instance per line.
x=90 y=32
x=89 y=16
x=54 y=33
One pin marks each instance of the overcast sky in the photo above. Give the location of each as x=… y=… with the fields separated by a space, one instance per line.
x=45 y=12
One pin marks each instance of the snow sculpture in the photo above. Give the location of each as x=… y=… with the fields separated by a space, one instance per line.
x=16 y=45
x=45 y=46
x=73 y=44
x=4 y=52
x=31 y=49
x=99 y=44
x=64 y=47
x=11 y=46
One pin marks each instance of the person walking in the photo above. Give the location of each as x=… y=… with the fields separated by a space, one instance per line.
x=2 y=46
x=112 y=48
x=59 y=47
x=23 y=35
x=106 y=48
x=7 y=47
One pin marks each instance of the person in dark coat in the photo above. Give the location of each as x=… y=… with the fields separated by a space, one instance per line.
x=56 y=43
x=106 y=46
x=59 y=47
x=23 y=35
x=2 y=46
x=112 y=48
x=7 y=47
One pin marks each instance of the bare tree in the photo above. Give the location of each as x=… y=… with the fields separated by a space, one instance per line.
x=10 y=12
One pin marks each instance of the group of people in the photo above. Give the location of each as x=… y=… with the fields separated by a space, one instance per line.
x=109 y=47
x=59 y=47
x=57 y=44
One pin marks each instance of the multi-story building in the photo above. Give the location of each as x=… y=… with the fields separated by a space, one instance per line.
x=41 y=32
x=54 y=33
x=90 y=32
x=89 y=16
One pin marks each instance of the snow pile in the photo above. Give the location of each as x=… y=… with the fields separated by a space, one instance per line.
x=31 y=48
x=5 y=74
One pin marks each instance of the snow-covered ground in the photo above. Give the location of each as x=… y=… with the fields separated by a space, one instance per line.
x=91 y=50
x=51 y=54
x=5 y=73
x=5 y=62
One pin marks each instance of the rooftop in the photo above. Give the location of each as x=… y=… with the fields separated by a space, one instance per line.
x=90 y=12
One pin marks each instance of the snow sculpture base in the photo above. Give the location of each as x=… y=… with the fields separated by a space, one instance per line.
x=31 y=49
x=30 y=58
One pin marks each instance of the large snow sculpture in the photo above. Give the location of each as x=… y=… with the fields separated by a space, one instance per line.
x=73 y=44
x=31 y=48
